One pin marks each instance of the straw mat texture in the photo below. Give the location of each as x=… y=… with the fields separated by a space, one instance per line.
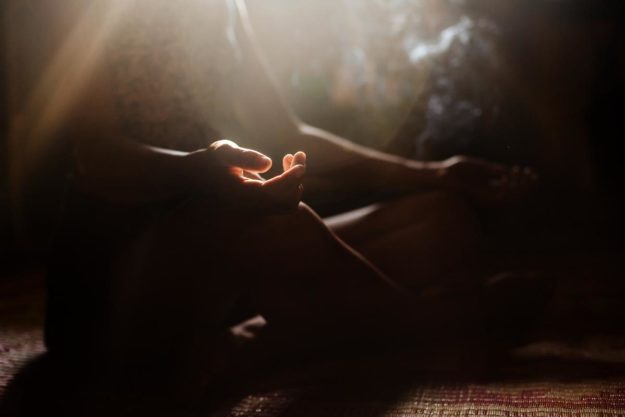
x=363 y=388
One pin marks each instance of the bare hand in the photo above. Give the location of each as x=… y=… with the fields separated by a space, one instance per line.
x=488 y=183
x=241 y=186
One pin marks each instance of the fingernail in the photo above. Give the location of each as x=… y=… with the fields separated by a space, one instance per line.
x=300 y=157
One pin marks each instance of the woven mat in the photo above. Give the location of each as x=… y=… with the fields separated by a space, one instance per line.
x=548 y=398
x=587 y=379
x=366 y=391
x=21 y=320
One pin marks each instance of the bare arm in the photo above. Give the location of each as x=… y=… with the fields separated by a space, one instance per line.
x=116 y=116
x=338 y=165
x=116 y=167
x=270 y=122
x=109 y=163
x=125 y=172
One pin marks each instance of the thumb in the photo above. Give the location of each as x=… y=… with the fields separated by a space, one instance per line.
x=232 y=154
x=286 y=188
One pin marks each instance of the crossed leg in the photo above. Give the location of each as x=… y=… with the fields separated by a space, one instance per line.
x=427 y=239
x=180 y=284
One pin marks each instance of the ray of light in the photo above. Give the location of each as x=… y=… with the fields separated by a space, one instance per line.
x=34 y=129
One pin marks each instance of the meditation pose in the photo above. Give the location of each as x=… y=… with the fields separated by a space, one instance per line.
x=173 y=238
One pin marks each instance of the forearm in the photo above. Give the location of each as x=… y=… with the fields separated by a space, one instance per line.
x=345 y=164
x=125 y=172
x=334 y=164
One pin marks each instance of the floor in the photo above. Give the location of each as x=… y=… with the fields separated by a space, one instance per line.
x=584 y=378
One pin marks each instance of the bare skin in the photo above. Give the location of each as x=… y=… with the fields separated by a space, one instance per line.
x=427 y=239
x=242 y=239
x=308 y=302
x=310 y=288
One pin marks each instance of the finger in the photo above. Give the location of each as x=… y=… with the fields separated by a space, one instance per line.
x=299 y=159
x=231 y=154
x=292 y=176
x=500 y=181
x=280 y=193
x=531 y=174
x=252 y=176
x=286 y=189
x=525 y=176
x=236 y=171
x=287 y=162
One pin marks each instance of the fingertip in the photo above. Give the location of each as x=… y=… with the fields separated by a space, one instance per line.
x=256 y=160
x=266 y=163
x=298 y=171
x=223 y=143
x=299 y=158
x=287 y=161
x=289 y=178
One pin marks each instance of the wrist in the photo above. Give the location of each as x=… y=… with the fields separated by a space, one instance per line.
x=429 y=174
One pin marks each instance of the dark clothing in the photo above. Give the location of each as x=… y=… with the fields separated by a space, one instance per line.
x=91 y=234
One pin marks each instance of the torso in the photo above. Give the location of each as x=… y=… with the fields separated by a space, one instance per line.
x=174 y=65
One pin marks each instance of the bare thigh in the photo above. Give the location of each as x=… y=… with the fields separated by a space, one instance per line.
x=420 y=240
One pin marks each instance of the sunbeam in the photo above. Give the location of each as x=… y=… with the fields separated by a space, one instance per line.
x=33 y=129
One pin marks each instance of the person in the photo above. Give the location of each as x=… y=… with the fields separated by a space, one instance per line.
x=173 y=236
